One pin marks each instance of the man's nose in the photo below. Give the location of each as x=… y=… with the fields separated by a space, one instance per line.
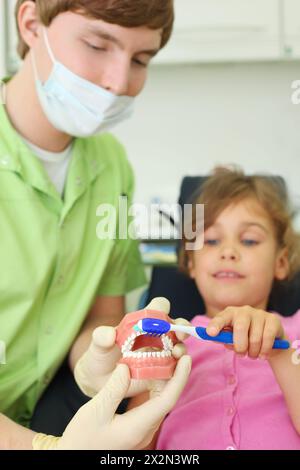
x=116 y=79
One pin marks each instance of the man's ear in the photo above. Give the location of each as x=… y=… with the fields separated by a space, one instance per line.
x=282 y=266
x=29 y=22
x=191 y=266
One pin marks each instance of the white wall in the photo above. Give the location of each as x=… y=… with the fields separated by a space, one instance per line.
x=193 y=117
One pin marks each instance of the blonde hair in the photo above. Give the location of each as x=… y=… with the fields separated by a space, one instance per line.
x=155 y=14
x=230 y=185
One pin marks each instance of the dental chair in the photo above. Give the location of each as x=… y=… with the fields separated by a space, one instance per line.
x=181 y=291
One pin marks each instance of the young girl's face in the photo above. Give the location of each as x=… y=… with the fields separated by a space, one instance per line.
x=240 y=259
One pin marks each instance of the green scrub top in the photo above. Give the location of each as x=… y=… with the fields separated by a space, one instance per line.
x=53 y=265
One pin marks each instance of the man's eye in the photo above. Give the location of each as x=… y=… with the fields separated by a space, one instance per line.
x=95 y=48
x=211 y=242
x=139 y=63
x=248 y=242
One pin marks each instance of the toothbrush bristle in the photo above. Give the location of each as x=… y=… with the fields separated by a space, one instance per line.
x=137 y=328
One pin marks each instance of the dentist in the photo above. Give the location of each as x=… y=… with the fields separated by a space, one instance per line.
x=84 y=62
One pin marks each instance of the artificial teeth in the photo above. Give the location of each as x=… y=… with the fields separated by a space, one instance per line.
x=148 y=354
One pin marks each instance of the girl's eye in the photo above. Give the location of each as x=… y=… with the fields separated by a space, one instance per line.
x=248 y=242
x=211 y=242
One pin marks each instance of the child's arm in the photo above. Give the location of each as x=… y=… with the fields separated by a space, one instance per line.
x=254 y=332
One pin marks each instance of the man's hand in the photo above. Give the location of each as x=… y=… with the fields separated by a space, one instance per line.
x=97 y=427
x=97 y=364
x=254 y=331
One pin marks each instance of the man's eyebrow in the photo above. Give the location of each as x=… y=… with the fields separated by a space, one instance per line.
x=149 y=52
x=108 y=37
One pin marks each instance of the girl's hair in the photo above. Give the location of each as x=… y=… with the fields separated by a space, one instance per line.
x=155 y=14
x=231 y=185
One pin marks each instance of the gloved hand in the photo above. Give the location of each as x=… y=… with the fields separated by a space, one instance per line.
x=96 y=365
x=96 y=426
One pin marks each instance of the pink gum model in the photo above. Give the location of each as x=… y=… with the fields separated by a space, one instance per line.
x=147 y=357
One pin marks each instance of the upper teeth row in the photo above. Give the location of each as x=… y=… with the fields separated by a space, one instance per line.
x=140 y=354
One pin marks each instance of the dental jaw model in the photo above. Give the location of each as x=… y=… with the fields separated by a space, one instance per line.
x=147 y=357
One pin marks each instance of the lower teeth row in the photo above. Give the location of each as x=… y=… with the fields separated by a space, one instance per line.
x=147 y=354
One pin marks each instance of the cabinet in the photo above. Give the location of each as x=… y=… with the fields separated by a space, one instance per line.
x=224 y=30
x=291 y=20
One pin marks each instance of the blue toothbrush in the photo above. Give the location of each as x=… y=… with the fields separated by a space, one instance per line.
x=156 y=327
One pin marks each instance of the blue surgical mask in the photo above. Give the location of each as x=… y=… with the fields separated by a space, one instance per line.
x=76 y=106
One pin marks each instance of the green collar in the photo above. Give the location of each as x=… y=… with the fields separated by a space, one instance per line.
x=16 y=156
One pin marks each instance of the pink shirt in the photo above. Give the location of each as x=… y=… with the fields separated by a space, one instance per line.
x=230 y=402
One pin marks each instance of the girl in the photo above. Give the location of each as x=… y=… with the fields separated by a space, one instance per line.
x=233 y=400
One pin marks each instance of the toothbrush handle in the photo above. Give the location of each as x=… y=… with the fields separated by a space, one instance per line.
x=281 y=344
x=226 y=337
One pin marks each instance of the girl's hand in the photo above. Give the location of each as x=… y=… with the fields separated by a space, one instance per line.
x=254 y=331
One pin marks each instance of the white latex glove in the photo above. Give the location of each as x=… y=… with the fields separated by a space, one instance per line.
x=96 y=426
x=96 y=365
